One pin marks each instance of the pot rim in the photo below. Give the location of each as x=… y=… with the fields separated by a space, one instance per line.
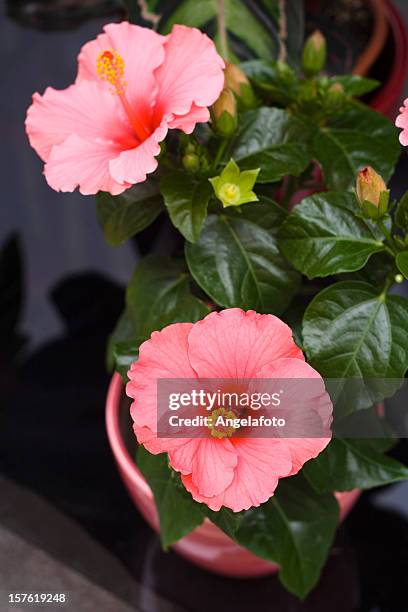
x=120 y=452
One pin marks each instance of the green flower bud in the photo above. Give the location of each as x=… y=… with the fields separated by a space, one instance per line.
x=237 y=81
x=233 y=187
x=372 y=193
x=191 y=162
x=224 y=113
x=335 y=97
x=314 y=54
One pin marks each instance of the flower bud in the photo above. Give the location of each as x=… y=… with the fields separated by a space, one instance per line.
x=314 y=54
x=372 y=193
x=191 y=162
x=335 y=97
x=224 y=113
x=237 y=81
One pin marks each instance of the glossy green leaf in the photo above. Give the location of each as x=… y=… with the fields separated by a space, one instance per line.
x=294 y=529
x=402 y=263
x=359 y=137
x=178 y=513
x=281 y=86
x=352 y=331
x=186 y=199
x=123 y=344
x=354 y=85
x=237 y=263
x=323 y=235
x=272 y=140
x=159 y=294
x=347 y=464
x=227 y=520
x=125 y=215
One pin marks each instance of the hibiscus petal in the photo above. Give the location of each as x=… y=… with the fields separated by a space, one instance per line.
x=301 y=414
x=86 y=110
x=261 y=462
x=237 y=344
x=163 y=356
x=402 y=122
x=142 y=50
x=133 y=165
x=192 y=72
x=213 y=466
x=188 y=122
x=85 y=164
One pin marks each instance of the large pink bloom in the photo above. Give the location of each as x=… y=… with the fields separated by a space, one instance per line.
x=234 y=472
x=402 y=122
x=103 y=132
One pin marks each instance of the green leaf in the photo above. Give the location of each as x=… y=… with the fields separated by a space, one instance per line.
x=294 y=529
x=401 y=214
x=123 y=343
x=347 y=464
x=324 y=236
x=178 y=513
x=249 y=32
x=159 y=294
x=237 y=263
x=402 y=263
x=227 y=520
x=354 y=85
x=352 y=331
x=273 y=140
x=125 y=215
x=268 y=77
x=186 y=199
x=359 y=137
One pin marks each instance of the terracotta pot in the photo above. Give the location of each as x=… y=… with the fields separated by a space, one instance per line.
x=206 y=546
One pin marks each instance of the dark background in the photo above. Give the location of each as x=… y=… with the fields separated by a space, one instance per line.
x=66 y=523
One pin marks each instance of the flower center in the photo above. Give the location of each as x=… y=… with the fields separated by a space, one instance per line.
x=218 y=423
x=230 y=192
x=110 y=67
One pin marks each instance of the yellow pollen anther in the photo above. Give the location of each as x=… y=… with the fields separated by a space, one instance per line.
x=221 y=430
x=110 y=67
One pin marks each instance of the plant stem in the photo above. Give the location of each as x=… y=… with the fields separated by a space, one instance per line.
x=219 y=154
x=389 y=281
x=222 y=31
x=388 y=238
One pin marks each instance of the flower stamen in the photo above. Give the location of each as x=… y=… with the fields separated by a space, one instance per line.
x=110 y=67
x=218 y=423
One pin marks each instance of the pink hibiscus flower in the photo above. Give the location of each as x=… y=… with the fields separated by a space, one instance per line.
x=103 y=132
x=236 y=472
x=402 y=122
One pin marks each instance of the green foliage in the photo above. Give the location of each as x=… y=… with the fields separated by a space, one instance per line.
x=158 y=294
x=125 y=215
x=237 y=262
x=186 y=199
x=352 y=331
x=348 y=464
x=356 y=138
x=294 y=529
x=323 y=235
x=178 y=513
x=272 y=140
